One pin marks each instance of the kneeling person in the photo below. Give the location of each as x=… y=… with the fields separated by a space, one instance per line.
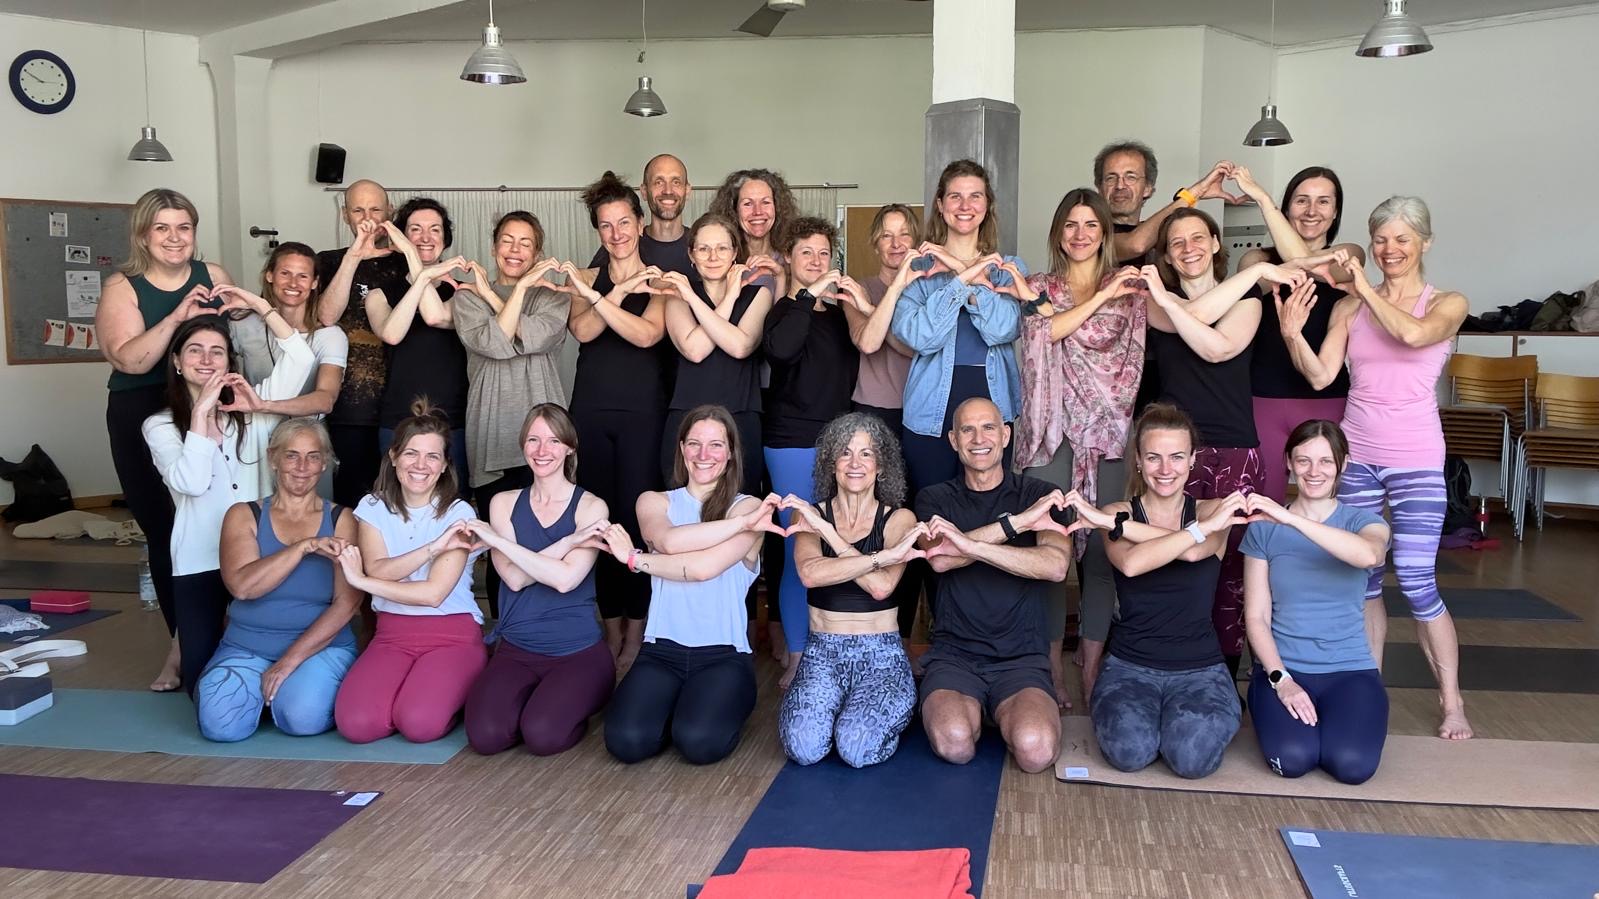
x=996 y=548
x=288 y=642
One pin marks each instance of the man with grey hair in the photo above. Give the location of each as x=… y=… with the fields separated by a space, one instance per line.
x=1125 y=172
x=345 y=277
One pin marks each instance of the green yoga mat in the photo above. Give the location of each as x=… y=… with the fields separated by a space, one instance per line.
x=135 y=721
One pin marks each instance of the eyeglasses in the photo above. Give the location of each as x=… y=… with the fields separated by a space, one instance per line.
x=1111 y=179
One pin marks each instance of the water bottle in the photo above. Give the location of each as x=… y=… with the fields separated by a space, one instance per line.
x=147 y=597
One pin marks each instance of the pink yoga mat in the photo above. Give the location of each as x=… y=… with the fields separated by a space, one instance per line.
x=234 y=834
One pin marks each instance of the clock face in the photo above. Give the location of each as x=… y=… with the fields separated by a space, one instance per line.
x=42 y=82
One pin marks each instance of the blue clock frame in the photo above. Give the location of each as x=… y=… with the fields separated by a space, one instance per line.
x=28 y=102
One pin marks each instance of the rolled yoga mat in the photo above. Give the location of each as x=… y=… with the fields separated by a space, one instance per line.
x=1335 y=864
x=915 y=800
x=233 y=834
x=1508 y=773
x=141 y=721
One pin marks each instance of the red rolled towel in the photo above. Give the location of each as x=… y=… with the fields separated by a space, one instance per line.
x=798 y=873
x=61 y=602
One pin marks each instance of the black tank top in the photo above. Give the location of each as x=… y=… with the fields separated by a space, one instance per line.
x=1271 y=369
x=719 y=378
x=1215 y=394
x=1164 y=618
x=848 y=596
x=617 y=375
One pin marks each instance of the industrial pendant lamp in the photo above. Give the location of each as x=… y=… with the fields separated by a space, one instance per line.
x=1395 y=34
x=1269 y=132
x=490 y=63
x=645 y=102
x=148 y=148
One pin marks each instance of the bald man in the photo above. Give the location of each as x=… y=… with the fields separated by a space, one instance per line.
x=996 y=547
x=367 y=264
x=664 y=243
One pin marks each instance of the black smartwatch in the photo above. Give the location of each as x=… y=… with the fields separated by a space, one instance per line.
x=1007 y=527
x=1121 y=519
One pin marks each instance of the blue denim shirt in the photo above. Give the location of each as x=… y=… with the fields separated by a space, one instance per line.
x=926 y=319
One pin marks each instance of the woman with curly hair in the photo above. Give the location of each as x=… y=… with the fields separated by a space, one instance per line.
x=762 y=205
x=853 y=689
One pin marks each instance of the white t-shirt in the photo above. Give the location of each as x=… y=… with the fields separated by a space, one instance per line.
x=401 y=536
x=330 y=346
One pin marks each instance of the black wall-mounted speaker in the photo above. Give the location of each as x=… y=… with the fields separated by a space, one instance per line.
x=329 y=164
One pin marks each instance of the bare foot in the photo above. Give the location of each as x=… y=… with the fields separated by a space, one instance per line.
x=1455 y=726
x=168 y=679
x=1057 y=676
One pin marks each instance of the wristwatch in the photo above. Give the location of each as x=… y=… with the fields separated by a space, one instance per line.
x=1006 y=526
x=1278 y=677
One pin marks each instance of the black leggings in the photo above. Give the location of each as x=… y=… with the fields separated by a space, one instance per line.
x=1351 y=724
x=201 y=602
x=697 y=696
x=146 y=494
x=617 y=461
x=356 y=448
x=513 y=479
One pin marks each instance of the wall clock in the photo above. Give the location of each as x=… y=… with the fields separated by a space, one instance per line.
x=42 y=81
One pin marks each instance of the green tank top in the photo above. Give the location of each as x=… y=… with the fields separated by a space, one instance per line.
x=154 y=305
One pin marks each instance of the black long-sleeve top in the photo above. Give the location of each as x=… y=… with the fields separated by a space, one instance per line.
x=813 y=370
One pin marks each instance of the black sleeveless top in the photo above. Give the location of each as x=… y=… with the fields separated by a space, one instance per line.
x=719 y=378
x=614 y=374
x=849 y=596
x=1271 y=369
x=1215 y=394
x=429 y=362
x=1165 y=614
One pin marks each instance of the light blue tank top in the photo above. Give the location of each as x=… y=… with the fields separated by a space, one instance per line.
x=268 y=625
x=705 y=613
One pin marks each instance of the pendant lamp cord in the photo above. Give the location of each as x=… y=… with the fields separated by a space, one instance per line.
x=1271 y=61
x=144 y=40
x=644 y=26
x=491 y=13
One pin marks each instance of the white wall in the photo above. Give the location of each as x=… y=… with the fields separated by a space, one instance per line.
x=80 y=154
x=1497 y=129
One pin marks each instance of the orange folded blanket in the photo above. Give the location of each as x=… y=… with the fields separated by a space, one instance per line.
x=797 y=873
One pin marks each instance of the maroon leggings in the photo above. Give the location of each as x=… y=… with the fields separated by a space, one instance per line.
x=544 y=700
x=1219 y=472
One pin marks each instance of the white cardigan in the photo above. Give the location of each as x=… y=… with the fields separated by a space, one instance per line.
x=207 y=478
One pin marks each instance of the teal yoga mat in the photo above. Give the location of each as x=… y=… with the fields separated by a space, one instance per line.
x=140 y=721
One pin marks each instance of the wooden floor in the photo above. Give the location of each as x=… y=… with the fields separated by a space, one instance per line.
x=582 y=825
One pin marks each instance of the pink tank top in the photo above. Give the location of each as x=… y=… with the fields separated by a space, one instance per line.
x=1392 y=416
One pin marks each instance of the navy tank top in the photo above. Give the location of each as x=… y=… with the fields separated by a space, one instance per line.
x=538 y=618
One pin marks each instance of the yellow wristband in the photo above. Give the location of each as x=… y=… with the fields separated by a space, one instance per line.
x=1187 y=196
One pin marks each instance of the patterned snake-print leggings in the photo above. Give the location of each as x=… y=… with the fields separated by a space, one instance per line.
x=852 y=691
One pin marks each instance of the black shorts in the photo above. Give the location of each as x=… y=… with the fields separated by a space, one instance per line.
x=989 y=681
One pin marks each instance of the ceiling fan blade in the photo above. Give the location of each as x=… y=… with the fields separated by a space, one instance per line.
x=763 y=22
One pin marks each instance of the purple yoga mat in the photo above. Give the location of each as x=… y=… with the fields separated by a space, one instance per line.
x=234 y=834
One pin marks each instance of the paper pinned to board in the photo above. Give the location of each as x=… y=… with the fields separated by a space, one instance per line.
x=58 y=224
x=55 y=332
x=83 y=293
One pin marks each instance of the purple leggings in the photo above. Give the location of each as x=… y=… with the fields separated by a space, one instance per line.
x=544 y=700
x=1416 y=500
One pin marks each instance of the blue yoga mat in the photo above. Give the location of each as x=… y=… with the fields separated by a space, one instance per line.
x=1335 y=864
x=141 y=721
x=54 y=622
x=915 y=800
x=1489 y=603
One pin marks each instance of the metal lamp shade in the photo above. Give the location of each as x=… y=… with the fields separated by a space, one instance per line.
x=491 y=64
x=645 y=102
x=148 y=149
x=1268 y=132
x=1395 y=34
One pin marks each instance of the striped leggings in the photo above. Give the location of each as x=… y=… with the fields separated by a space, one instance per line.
x=1416 y=500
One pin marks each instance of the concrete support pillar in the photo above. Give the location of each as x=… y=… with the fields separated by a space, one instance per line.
x=972 y=115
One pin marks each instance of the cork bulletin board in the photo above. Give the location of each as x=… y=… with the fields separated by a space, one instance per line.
x=54 y=259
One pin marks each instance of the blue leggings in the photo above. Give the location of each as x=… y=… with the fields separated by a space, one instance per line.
x=1417 y=501
x=791 y=471
x=855 y=686
x=1351 y=725
x=229 y=695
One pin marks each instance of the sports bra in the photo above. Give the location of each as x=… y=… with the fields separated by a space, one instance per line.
x=849 y=596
